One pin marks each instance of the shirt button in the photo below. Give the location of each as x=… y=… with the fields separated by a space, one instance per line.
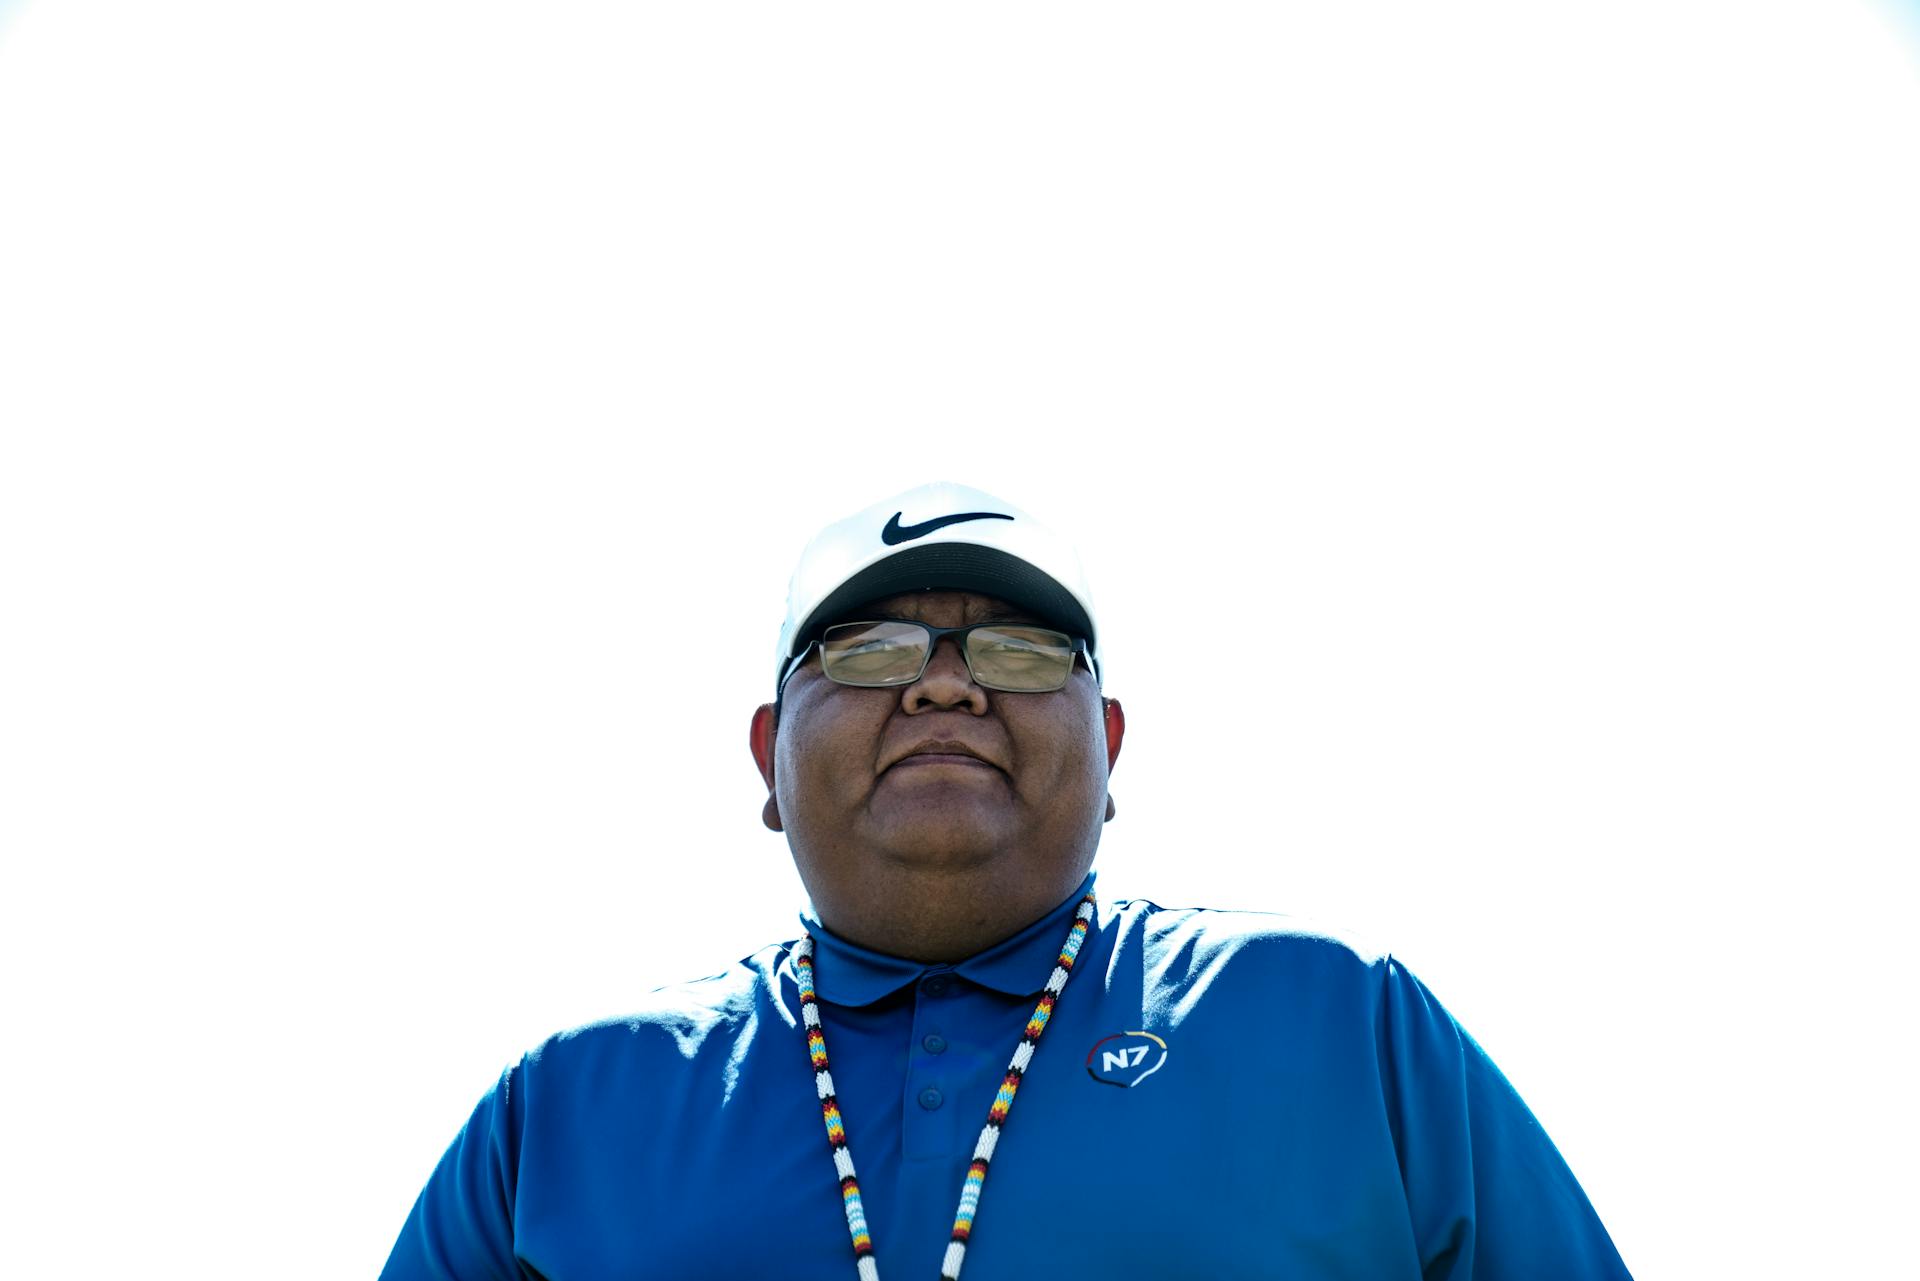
x=934 y=1044
x=936 y=986
x=931 y=1098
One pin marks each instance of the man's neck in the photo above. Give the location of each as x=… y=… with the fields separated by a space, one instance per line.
x=939 y=922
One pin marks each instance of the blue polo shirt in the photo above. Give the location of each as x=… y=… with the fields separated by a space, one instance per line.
x=1218 y=1094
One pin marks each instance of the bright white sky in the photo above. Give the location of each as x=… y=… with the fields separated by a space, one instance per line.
x=1490 y=428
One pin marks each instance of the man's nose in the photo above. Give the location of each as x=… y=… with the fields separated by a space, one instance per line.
x=946 y=684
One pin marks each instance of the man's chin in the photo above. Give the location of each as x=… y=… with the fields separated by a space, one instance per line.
x=949 y=841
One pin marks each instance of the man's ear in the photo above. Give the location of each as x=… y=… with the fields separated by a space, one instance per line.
x=760 y=739
x=1116 y=719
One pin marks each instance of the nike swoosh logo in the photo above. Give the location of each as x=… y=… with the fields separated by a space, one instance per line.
x=896 y=533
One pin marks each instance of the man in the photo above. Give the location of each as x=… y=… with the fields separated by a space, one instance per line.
x=1199 y=1093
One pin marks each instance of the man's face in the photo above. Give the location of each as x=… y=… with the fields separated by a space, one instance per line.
x=941 y=780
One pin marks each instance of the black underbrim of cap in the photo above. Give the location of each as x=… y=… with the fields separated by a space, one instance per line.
x=965 y=567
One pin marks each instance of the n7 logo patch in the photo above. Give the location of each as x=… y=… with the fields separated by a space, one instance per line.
x=1126 y=1058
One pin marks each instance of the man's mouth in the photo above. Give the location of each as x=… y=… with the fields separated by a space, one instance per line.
x=920 y=759
x=944 y=752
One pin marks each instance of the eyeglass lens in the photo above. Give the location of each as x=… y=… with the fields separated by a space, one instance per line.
x=1005 y=656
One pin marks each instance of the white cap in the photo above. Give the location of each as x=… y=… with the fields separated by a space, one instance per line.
x=938 y=536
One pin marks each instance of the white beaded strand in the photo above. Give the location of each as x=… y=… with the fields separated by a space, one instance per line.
x=970 y=1189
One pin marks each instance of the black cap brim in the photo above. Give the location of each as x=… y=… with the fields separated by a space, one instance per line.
x=965 y=567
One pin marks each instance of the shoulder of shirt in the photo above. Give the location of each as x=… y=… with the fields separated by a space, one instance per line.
x=1272 y=935
x=685 y=1016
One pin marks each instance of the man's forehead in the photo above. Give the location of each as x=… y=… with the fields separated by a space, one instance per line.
x=923 y=606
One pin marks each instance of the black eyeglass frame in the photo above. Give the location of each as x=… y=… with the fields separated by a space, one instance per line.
x=1077 y=644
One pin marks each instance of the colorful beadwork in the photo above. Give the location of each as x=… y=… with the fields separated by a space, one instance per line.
x=969 y=1208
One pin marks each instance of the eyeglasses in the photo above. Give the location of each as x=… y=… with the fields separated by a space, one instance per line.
x=1012 y=657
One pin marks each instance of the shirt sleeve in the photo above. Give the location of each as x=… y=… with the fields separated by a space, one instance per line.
x=461 y=1227
x=1489 y=1196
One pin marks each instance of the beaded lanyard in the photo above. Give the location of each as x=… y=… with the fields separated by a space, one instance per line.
x=963 y=1217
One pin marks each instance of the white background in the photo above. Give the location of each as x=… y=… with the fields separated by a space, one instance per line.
x=1488 y=426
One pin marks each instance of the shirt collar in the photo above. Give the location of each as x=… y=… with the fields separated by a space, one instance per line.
x=847 y=974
